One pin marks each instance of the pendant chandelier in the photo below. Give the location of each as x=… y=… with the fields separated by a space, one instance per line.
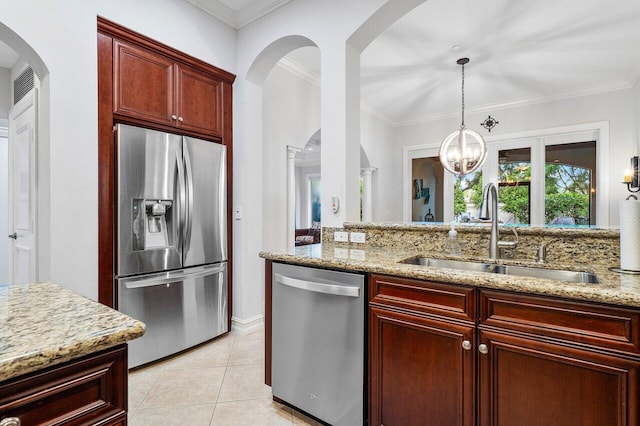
x=463 y=151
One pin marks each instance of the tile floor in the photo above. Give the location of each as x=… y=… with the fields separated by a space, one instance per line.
x=216 y=384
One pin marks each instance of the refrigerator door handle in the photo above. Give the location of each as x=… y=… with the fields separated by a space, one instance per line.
x=170 y=277
x=189 y=189
x=181 y=199
x=318 y=287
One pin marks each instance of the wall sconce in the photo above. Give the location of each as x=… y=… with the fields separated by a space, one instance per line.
x=631 y=176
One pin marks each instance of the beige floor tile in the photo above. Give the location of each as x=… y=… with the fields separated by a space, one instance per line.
x=183 y=387
x=254 y=335
x=140 y=383
x=212 y=354
x=244 y=382
x=255 y=412
x=300 y=419
x=247 y=351
x=191 y=415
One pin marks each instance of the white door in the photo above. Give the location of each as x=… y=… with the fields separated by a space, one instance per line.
x=22 y=184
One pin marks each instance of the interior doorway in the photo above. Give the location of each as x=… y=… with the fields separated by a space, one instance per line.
x=19 y=207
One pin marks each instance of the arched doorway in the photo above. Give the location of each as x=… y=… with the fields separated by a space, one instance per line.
x=23 y=148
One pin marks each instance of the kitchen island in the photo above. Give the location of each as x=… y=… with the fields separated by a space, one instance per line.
x=465 y=347
x=63 y=357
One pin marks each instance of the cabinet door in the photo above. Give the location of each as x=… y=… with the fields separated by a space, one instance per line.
x=526 y=382
x=199 y=101
x=143 y=84
x=91 y=390
x=419 y=372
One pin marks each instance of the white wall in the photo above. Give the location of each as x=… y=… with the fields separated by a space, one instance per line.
x=376 y=138
x=636 y=116
x=615 y=107
x=63 y=34
x=5 y=92
x=291 y=115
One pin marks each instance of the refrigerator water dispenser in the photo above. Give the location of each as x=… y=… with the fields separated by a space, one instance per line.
x=151 y=229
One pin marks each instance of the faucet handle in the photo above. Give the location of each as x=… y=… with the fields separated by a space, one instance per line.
x=510 y=244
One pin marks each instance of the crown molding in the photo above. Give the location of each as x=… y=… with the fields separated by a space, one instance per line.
x=257 y=10
x=217 y=10
x=488 y=108
x=299 y=71
x=241 y=17
x=377 y=114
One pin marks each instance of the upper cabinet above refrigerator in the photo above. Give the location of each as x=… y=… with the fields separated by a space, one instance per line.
x=152 y=87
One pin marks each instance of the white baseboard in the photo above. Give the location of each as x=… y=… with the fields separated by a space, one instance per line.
x=242 y=326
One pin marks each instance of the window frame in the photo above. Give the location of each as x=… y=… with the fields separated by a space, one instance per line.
x=537 y=140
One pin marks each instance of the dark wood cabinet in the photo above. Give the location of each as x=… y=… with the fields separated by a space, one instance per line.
x=198 y=101
x=155 y=88
x=90 y=390
x=523 y=381
x=531 y=360
x=419 y=371
x=547 y=361
x=421 y=353
x=145 y=83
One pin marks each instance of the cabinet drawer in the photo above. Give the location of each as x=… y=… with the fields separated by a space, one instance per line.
x=613 y=328
x=90 y=390
x=451 y=301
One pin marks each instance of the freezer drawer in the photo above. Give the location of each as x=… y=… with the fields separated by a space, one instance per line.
x=318 y=342
x=180 y=309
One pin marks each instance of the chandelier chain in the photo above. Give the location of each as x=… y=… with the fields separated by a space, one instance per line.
x=462 y=95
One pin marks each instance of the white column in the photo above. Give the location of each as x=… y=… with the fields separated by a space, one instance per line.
x=367 y=199
x=340 y=123
x=291 y=196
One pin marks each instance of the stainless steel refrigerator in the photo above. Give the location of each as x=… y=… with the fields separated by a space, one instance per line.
x=171 y=268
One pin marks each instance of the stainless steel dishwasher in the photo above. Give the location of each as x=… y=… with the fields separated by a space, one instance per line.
x=318 y=342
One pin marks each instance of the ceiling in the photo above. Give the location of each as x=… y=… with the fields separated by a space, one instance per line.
x=238 y=13
x=521 y=52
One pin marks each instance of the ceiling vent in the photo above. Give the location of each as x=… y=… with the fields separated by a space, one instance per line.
x=22 y=85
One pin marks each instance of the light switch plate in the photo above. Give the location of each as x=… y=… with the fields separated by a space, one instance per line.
x=341 y=236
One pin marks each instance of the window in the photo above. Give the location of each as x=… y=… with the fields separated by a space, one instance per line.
x=570 y=184
x=514 y=185
x=544 y=177
x=315 y=194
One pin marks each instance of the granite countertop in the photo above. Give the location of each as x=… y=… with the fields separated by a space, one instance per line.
x=44 y=324
x=614 y=288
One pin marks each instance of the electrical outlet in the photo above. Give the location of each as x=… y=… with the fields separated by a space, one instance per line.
x=357 y=254
x=357 y=237
x=341 y=236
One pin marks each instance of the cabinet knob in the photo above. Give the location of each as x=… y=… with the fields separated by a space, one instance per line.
x=466 y=345
x=10 y=421
x=174 y=117
x=180 y=119
x=483 y=349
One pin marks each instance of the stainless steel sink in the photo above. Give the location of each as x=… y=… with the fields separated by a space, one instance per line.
x=523 y=271
x=551 y=274
x=462 y=265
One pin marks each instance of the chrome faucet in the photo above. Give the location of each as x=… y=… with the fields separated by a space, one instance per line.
x=491 y=212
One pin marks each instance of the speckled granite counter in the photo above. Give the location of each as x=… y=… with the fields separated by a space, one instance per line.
x=614 y=288
x=44 y=324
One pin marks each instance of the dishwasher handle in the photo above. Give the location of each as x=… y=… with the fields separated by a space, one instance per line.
x=318 y=287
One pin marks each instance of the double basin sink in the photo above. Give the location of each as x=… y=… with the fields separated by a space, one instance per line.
x=513 y=270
